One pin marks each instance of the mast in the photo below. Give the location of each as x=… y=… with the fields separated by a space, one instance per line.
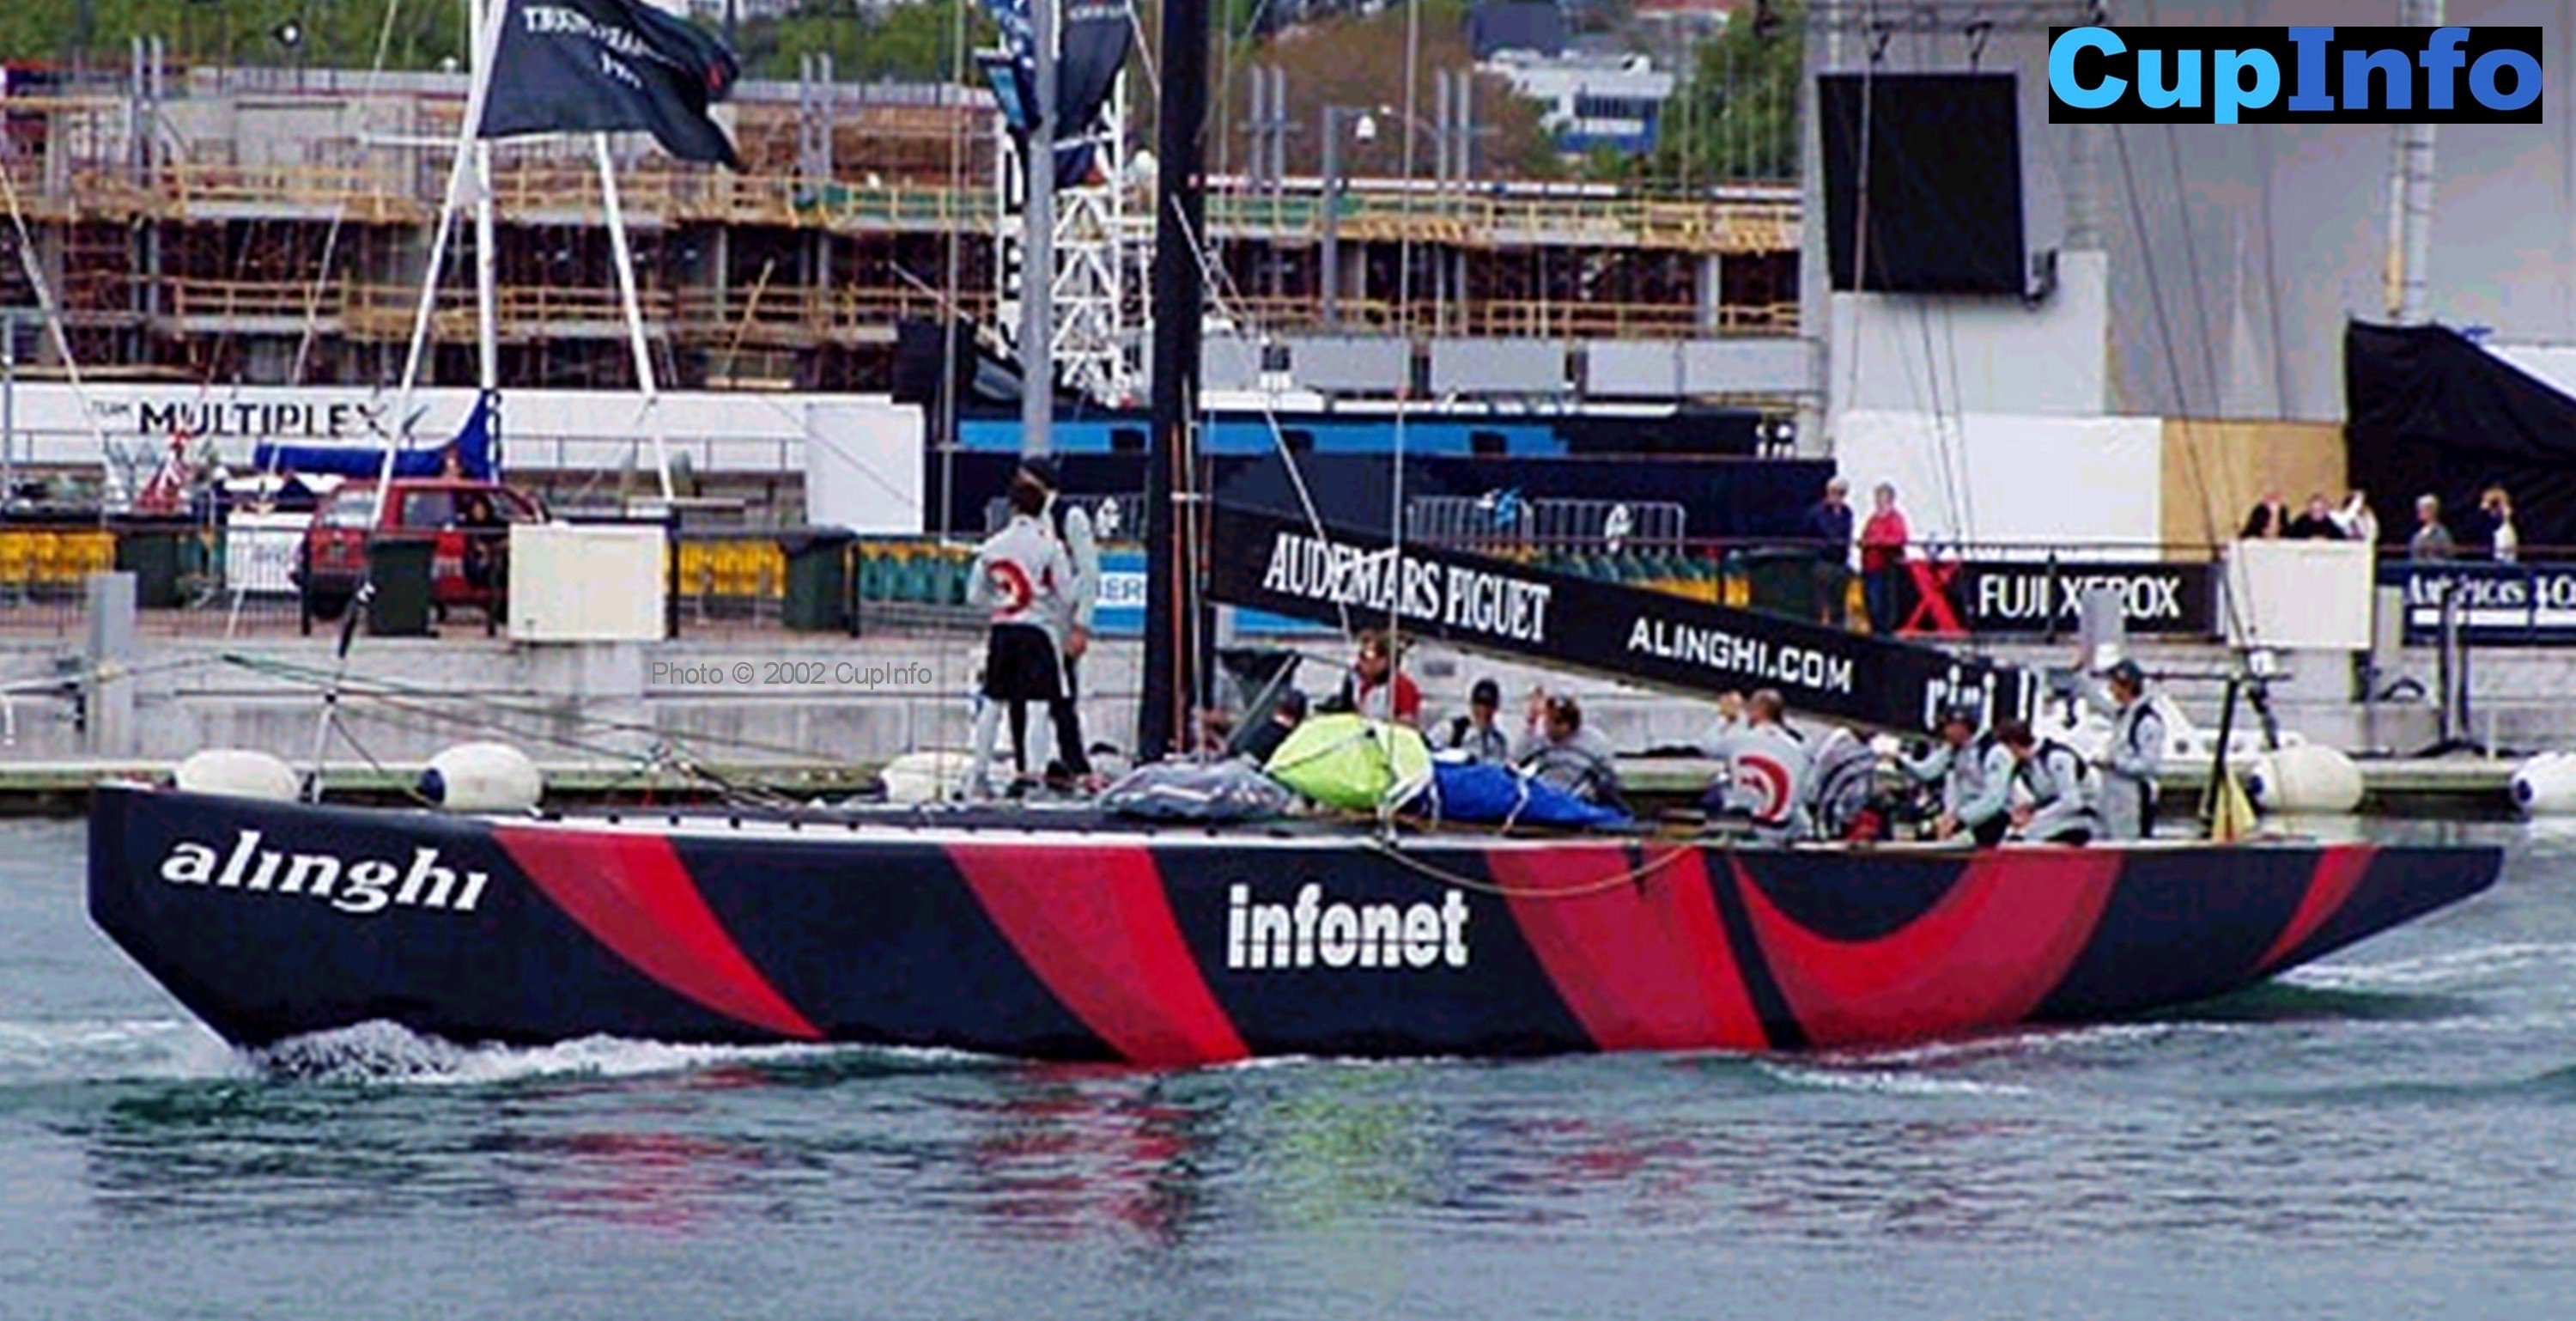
x=1171 y=610
x=1037 y=243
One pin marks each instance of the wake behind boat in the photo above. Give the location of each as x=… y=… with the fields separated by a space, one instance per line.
x=1071 y=936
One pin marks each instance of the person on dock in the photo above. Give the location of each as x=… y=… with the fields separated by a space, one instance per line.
x=1975 y=774
x=1476 y=734
x=1828 y=528
x=1071 y=629
x=2269 y=520
x=2316 y=522
x=2134 y=756
x=2060 y=810
x=1769 y=772
x=2432 y=540
x=1018 y=575
x=1375 y=687
x=1558 y=751
x=1882 y=561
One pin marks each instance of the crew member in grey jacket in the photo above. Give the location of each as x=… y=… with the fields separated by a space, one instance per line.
x=2134 y=755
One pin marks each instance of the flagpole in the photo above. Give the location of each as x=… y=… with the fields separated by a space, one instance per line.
x=478 y=88
x=634 y=311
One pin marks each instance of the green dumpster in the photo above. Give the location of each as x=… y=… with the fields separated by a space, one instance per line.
x=1781 y=582
x=156 y=558
x=400 y=569
x=818 y=580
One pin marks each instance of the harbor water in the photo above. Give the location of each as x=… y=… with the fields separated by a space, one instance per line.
x=2389 y=1133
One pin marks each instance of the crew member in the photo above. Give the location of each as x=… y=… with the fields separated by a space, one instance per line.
x=1018 y=575
x=1769 y=772
x=2131 y=760
x=1375 y=688
x=1071 y=528
x=2060 y=810
x=1285 y=715
x=1558 y=751
x=1476 y=734
x=1975 y=776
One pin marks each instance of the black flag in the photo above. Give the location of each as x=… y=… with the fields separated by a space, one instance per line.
x=604 y=65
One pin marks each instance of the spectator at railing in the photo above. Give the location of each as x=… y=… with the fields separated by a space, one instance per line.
x=2269 y=519
x=2495 y=529
x=1882 y=560
x=2355 y=520
x=1829 y=528
x=2432 y=539
x=2316 y=522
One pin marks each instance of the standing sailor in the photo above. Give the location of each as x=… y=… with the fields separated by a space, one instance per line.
x=1019 y=574
x=2131 y=760
x=2060 y=810
x=1975 y=775
x=1769 y=772
x=1071 y=527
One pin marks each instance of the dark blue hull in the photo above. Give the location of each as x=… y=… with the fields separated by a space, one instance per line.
x=1164 y=947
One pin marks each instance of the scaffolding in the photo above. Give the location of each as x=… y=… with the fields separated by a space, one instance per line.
x=230 y=226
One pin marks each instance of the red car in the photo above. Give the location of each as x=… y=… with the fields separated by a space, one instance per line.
x=469 y=519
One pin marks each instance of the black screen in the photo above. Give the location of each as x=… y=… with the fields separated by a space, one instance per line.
x=1943 y=189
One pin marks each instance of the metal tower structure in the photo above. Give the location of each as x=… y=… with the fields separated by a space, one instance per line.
x=1101 y=243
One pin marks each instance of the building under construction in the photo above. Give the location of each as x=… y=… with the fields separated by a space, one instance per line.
x=237 y=226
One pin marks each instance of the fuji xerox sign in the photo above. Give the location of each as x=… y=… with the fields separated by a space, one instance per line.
x=2353 y=75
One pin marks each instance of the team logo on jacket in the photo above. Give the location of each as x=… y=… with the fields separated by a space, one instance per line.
x=1308 y=931
x=351 y=885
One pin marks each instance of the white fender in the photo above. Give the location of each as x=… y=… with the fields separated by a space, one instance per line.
x=927 y=777
x=2307 y=778
x=239 y=773
x=483 y=777
x=2545 y=785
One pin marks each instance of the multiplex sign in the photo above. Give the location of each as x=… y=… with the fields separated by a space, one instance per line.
x=270 y=419
x=1996 y=596
x=2294 y=75
x=2496 y=604
x=1291 y=567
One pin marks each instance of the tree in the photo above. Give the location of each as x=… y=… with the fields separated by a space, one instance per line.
x=1735 y=119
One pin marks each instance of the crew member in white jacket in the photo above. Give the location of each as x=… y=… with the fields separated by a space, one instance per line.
x=2060 y=810
x=1019 y=574
x=1071 y=527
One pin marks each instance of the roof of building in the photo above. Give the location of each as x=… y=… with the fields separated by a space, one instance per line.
x=1532 y=25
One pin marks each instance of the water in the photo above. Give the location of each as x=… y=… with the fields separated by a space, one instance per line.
x=2390 y=1134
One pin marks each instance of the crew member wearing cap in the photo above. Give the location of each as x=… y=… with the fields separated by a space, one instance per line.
x=2134 y=755
x=1071 y=528
x=1475 y=733
x=1975 y=774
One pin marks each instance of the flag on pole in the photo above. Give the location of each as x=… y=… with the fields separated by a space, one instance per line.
x=1093 y=42
x=568 y=66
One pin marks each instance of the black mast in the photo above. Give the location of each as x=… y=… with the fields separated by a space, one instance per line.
x=1171 y=515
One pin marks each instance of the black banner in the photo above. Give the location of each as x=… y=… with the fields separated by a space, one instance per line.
x=607 y=66
x=1992 y=597
x=1278 y=564
x=1091 y=47
x=2499 y=605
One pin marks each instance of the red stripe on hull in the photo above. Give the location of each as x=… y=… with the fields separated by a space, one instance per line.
x=1642 y=965
x=1097 y=929
x=634 y=895
x=1984 y=956
x=2340 y=867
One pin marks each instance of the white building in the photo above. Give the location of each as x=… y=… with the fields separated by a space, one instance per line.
x=1589 y=100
